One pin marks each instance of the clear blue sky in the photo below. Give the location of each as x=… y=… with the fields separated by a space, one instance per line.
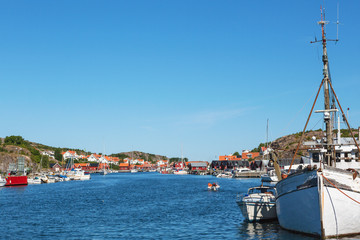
x=156 y=75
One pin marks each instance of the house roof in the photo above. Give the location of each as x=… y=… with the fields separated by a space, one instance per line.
x=53 y=164
x=81 y=164
x=198 y=164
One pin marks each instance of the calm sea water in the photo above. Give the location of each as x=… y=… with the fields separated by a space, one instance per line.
x=132 y=206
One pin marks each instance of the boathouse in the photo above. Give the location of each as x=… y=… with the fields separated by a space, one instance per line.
x=198 y=166
x=55 y=167
x=229 y=164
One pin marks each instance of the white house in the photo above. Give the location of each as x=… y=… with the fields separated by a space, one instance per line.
x=161 y=162
x=94 y=158
x=48 y=153
x=70 y=154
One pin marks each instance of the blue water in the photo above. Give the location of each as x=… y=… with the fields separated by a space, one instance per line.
x=132 y=206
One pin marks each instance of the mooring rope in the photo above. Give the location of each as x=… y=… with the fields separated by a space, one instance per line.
x=339 y=189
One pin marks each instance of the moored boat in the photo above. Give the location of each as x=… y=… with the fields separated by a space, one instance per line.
x=258 y=204
x=2 y=181
x=270 y=176
x=34 y=180
x=324 y=198
x=180 y=172
x=16 y=181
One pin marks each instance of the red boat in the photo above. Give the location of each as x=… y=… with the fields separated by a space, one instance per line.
x=16 y=180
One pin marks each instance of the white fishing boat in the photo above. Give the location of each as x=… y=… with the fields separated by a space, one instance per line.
x=258 y=204
x=134 y=170
x=324 y=198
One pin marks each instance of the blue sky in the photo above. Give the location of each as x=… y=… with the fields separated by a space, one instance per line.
x=113 y=76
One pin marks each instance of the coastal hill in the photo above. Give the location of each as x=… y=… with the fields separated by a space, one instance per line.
x=286 y=145
x=14 y=146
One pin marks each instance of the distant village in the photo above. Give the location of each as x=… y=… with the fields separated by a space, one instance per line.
x=95 y=162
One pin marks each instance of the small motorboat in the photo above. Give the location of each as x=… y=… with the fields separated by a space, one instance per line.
x=269 y=177
x=225 y=175
x=34 y=180
x=213 y=186
x=2 y=181
x=258 y=204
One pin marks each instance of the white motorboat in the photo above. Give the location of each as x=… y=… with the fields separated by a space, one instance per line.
x=78 y=174
x=225 y=175
x=181 y=172
x=258 y=204
x=134 y=170
x=2 y=182
x=34 y=180
x=269 y=177
x=244 y=172
x=323 y=199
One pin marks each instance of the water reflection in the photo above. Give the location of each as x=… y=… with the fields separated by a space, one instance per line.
x=266 y=230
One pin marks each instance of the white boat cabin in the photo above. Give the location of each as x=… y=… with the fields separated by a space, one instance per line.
x=346 y=153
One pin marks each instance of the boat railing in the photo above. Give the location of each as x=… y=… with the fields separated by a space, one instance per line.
x=261 y=198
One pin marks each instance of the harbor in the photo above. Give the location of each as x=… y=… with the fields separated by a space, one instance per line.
x=146 y=120
x=125 y=205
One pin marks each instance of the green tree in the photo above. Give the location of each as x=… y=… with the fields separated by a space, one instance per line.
x=236 y=154
x=14 y=140
x=45 y=162
x=58 y=155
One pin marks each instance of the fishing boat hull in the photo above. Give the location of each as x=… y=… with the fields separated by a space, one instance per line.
x=307 y=202
x=16 y=180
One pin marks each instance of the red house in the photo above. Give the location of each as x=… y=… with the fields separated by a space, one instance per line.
x=124 y=167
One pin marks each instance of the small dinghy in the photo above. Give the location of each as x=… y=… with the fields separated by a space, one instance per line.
x=213 y=186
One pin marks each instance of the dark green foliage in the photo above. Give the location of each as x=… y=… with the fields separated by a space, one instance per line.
x=45 y=162
x=114 y=166
x=15 y=140
x=236 y=154
x=35 y=154
x=176 y=159
x=119 y=155
x=257 y=149
x=346 y=132
x=57 y=154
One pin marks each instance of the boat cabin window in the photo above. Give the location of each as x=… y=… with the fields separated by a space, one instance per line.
x=315 y=157
x=338 y=157
x=347 y=157
x=262 y=190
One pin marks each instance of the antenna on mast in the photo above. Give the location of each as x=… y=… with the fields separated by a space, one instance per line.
x=337 y=23
x=323 y=23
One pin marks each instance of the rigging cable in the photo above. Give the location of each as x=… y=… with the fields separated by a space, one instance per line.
x=339 y=189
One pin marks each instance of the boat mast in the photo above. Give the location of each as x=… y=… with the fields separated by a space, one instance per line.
x=327 y=113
